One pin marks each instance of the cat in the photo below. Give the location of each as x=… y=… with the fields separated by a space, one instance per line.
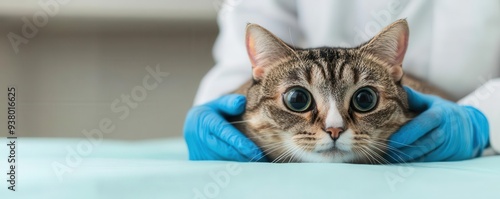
x=327 y=104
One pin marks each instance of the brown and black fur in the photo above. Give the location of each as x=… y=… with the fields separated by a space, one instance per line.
x=329 y=74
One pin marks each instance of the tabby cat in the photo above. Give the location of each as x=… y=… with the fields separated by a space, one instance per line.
x=326 y=104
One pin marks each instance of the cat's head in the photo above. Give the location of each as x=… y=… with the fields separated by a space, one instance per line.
x=326 y=104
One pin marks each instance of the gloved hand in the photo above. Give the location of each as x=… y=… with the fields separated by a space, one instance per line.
x=210 y=137
x=443 y=131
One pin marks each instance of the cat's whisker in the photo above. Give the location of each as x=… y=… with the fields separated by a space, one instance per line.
x=372 y=159
x=271 y=144
x=270 y=148
x=382 y=142
x=386 y=140
x=265 y=135
x=367 y=155
x=399 y=159
x=279 y=157
x=287 y=155
x=284 y=155
x=293 y=154
x=266 y=149
x=380 y=156
x=381 y=146
x=303 y=149
x=374 y=155
x=241 y=121
x=302 y=153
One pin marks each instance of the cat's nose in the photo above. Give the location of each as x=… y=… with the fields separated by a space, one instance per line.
x=334 y=132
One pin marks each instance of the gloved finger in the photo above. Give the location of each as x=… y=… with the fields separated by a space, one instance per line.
x=227 y=133
x=232 y=104
x=418 y=101
x=416 y=128
x=440 y=154
x=421 y=148
x=450 y=149
x=229 y=152
x=203 y=144
x=221 y=150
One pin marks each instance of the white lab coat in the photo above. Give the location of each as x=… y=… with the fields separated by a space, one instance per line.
x=453 y=44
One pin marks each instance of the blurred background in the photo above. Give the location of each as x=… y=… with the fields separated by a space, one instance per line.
x=85 y=54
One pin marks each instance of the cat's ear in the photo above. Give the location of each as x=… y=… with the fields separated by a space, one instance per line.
x=390 y=45
x=264 y=49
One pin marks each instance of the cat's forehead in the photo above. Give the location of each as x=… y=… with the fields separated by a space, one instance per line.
x=328 y=68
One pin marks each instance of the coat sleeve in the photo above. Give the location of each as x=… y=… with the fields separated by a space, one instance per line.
x=486 y=99
x=232 y=66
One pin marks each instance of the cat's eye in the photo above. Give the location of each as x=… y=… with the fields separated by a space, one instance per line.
x=298 y=99
x=364 y=99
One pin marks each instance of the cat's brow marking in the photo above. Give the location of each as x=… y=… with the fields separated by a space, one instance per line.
x=340 y=65
x=308 y=74
x=355 y=72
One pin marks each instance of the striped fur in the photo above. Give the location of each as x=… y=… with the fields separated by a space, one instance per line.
x=329 y=74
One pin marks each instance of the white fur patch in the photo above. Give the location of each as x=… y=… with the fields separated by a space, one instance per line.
x=333 y=117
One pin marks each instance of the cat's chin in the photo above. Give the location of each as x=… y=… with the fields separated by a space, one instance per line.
x=332 y=151
x=332 y=155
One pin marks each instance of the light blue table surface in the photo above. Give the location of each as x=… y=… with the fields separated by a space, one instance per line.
x=76 y=168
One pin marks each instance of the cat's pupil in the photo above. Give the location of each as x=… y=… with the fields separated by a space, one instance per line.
x=297 y=99
x=364 y=100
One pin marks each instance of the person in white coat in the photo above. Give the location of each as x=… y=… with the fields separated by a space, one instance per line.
x=454 y=45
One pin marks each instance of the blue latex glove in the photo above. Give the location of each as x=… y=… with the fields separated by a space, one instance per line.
x=443 y=131
x=210 y=137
